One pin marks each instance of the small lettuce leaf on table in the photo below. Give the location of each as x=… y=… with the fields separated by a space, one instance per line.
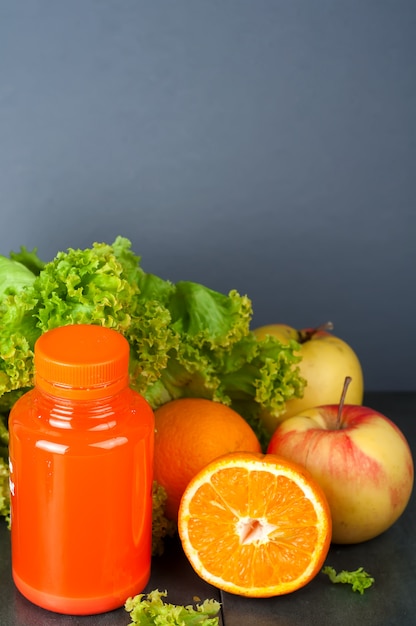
x=359 y=579
x=149 y=609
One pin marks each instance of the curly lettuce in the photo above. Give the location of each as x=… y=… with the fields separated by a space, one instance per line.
x=4 y=471
x=148 y=609
x=162 y=527
x=359 y=579
x=185 y=339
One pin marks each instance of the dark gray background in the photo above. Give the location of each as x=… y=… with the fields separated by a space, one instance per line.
x=263 y=145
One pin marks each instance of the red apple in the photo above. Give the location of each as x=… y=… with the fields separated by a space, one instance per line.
x=360 y=458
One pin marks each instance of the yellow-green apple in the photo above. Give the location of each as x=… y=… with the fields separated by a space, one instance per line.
x=325 y=362
x=360 y=458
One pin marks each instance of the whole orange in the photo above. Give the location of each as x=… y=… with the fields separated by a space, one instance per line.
x=190 y=433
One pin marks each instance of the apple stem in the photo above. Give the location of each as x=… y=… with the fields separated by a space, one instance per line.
x=308 y=334
x=342 y=401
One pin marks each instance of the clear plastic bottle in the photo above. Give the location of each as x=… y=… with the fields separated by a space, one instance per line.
x=81 y=457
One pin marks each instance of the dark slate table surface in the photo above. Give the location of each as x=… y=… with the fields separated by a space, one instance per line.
x=390 y=558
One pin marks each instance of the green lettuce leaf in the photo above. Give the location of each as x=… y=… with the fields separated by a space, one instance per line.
x=4 y=490
x=359 y=579
x=149 y=609
x=14 y=276
x=185 y=339
x=208 y=318
x=161 y=526
x=88 y=286
x=29 y=259
x=17 y=326
x=18 y=333
x=4 y=471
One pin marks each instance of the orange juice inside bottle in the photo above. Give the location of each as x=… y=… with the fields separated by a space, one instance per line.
x=81 y=455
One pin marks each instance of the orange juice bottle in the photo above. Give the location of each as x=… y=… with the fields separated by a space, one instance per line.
x=81 y=456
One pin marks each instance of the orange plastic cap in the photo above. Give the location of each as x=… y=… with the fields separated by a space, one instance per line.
x=81 y=361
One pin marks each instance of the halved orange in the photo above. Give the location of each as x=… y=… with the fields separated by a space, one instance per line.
x=255 y=525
